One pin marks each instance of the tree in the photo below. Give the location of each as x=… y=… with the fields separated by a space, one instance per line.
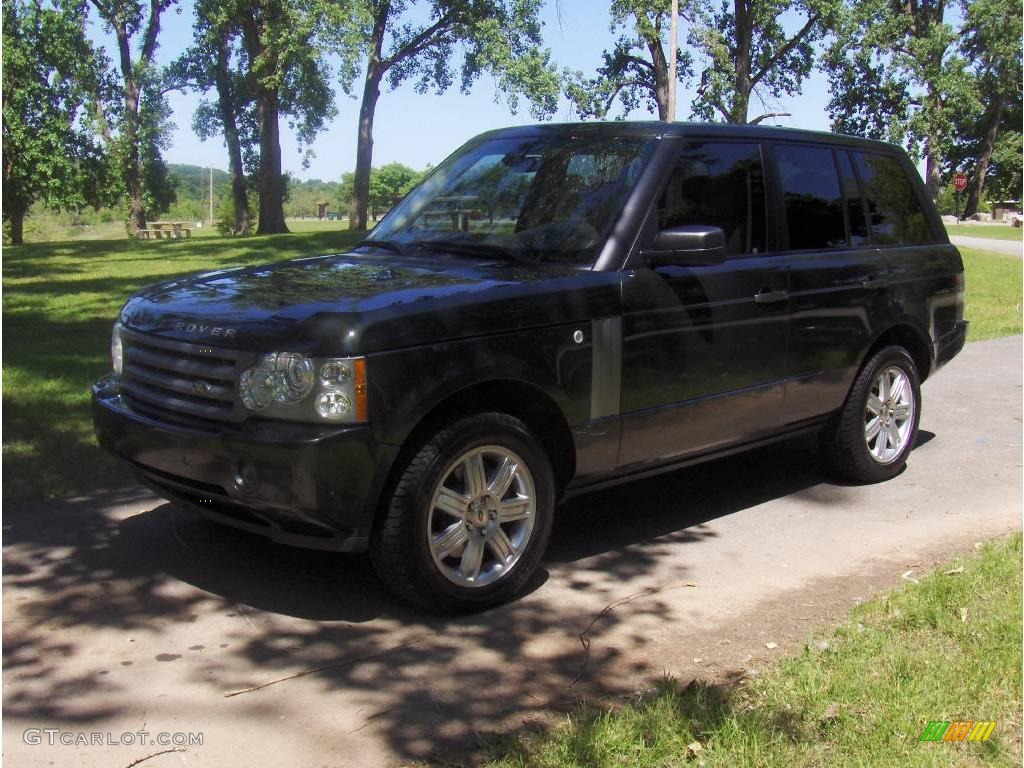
x=388 y=184
x=49 y=152
x=208 y=64
x=896 y=74
x=746 y=51
x=636 y=70
x=136 y=125
x=991 y=39
x=497 y=36
x=265 y=59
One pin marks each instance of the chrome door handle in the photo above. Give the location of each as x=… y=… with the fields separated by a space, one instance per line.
x=770 y=297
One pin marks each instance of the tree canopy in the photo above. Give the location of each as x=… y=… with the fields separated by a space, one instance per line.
x=636 y=70
x=896 y=74
x=745 y=52
x=130 y=107
x=500 y=37
x=50 y=150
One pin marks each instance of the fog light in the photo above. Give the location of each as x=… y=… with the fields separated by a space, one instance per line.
x=333 y=405
x=245 y=478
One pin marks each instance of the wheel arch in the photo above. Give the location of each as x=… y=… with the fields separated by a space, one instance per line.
x=526 y=402
x=906 y=335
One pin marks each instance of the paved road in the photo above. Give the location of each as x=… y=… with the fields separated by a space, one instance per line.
x=122 y=614
x=1005 y=247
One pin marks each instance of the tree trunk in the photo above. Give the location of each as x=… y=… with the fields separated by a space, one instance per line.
x=993 y=118
x=661 y=81
x=364 y=142
x=359 y=205
x=271 y=187
x=226 y=101
x=132 y=165
x=744 y=32
x=932 y=171
x=17 y=221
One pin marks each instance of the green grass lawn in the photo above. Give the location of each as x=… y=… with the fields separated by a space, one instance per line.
x=60 y=300
x=948 y=648
x=994 y=294
x=990 y=231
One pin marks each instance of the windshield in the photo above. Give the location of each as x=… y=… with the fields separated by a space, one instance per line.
x=546 y=198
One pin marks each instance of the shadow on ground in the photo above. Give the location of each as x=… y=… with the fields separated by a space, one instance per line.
x=426 y=683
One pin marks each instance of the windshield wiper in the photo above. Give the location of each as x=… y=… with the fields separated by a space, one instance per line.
x=388 y=245
x=472 y=249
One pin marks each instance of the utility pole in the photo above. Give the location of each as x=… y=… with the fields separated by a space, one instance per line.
x=673 y=44
x=211 y=197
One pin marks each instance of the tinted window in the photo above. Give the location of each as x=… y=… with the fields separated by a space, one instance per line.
x=814 y=201
x=858 y=226
x=539 y=198
x=718 y=185
x=893 y=208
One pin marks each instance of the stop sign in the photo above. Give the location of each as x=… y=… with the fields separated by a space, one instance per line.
x=960 y=182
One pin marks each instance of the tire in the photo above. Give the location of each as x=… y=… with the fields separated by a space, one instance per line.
x=847 y=444
x=441 y=543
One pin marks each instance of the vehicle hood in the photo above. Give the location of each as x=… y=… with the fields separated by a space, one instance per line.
x=355 y=303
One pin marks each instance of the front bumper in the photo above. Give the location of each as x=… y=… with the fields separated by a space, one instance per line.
x=299 y=484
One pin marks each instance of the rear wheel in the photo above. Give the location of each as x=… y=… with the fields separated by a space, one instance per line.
x=469 y=517
x=871 y=437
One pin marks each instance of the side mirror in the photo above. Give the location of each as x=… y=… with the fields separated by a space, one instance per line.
x=689 y=246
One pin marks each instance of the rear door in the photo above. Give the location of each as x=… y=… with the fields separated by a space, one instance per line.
x=704 y=348
x=838 y=277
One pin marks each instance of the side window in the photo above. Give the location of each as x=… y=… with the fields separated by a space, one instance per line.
x=893 y=208
x=854 y=203
x=813 y=198
x=718 y=184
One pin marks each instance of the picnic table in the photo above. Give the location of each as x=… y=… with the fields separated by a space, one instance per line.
x=459 y=213
x=169 y=230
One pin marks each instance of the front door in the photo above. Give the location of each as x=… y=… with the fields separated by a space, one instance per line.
x=704 y=348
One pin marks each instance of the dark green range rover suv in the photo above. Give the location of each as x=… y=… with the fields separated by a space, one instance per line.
x=555 y=308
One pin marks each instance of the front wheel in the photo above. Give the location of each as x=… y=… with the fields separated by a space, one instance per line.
x=469 y=518
x=877 y=427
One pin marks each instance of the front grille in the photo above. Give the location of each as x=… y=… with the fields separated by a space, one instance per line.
x=179 y=382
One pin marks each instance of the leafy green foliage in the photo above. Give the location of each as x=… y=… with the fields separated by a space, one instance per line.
x=264 y=61
x=738 y=50
x=130 y=108
x=896 y=74
x=987 y=139
x=497 y=37
x=745 y=52
x=50 y=152
x=388 y=184
x=635 y=70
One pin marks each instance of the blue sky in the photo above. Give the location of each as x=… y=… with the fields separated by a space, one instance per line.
x=417 y=129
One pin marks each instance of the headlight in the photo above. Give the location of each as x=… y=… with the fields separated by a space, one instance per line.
x=280 y=377
x=116 y=350
x=280 y=383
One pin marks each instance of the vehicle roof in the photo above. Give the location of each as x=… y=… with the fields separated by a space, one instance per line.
x=657 y=128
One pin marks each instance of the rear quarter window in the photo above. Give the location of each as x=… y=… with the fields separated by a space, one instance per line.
x=894 y=209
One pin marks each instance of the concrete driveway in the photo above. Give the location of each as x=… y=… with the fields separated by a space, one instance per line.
x=123 y=614
x=1005 y=247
